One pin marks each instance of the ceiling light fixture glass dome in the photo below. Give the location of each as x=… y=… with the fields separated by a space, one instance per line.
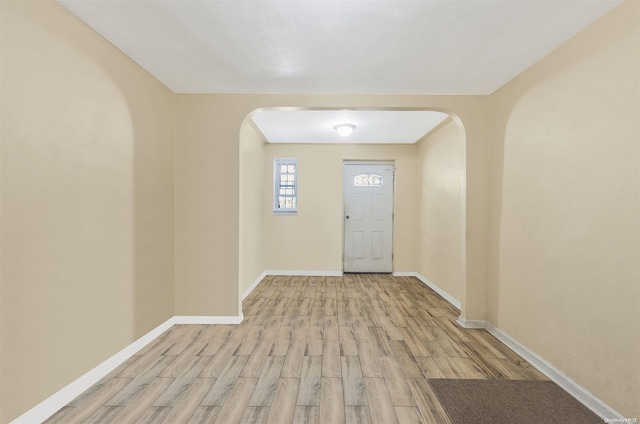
x=344 y=130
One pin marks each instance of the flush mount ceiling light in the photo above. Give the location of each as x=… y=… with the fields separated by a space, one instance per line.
x=344 y=130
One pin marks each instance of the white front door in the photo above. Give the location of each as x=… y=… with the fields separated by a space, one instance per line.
x=368 y=217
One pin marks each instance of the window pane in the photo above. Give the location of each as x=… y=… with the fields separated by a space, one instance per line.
x=285 y=190
x=368 y=180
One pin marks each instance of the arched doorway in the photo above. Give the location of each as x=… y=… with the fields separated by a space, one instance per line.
x=260 y=232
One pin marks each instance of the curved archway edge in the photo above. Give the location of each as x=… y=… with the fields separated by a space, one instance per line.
x=470 y=115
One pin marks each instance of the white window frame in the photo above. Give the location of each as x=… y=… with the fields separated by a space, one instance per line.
x=276 y=186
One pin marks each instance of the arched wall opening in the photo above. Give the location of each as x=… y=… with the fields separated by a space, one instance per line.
x=429 y=236
x=207 y=186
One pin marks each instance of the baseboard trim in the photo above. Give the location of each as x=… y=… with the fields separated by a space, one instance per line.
x=404 y=274
x=248 y=291
x=53 y=403
x=585 y=397
x=192 y=319
x=600 y=408
x=471 y=323
x=305 y=273
x=446 y=296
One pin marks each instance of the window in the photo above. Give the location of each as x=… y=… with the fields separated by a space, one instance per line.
x=368 y=180
x=285 y=185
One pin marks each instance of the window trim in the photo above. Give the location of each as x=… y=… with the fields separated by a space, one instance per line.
x=277 y=162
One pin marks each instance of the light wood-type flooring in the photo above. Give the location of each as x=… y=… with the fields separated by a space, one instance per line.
x=354 y=349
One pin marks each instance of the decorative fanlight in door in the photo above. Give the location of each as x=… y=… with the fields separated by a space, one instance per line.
x=368 y=180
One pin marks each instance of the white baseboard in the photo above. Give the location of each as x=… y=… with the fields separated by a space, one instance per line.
x=446 y=296
x=471 y=323
x=600 y=408
x=191 y=319
x=305 y=273
x=404 y=274
x=53 y=403
x=248 y=291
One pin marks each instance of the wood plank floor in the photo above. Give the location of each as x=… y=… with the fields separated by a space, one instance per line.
x=354 y=349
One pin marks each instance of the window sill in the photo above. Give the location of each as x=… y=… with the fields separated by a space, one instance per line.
x=285 y=213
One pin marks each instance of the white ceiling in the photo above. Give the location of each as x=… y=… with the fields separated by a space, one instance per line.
x=371 y=126
x=337 y=46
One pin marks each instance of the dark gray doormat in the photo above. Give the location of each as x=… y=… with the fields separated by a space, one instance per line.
x=510 y=402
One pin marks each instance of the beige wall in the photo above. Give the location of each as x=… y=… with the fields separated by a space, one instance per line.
x=312 y=240
x=207 y=206
x=565 y=212
x=87 y=211
x=252 y=225
x=441 y=156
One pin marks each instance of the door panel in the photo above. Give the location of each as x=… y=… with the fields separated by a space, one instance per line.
x=358 y=207
x=377 y=245
x=368 y=217
x=377 y=210
x=358 y=242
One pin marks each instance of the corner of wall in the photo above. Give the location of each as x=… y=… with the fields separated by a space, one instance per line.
x=1 y=317
x=496 y=153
